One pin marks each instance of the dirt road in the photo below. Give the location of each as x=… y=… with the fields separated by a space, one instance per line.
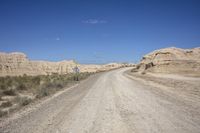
x=111 y=102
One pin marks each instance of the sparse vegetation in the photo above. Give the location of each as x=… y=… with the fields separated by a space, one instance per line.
x=134 y=70
x=3 y=113
x=143 y=72
x=6 y=104
x=19 y=89
x=23 y=101
x=9 y=92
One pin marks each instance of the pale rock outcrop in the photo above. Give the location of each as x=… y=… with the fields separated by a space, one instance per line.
x=103 y=67
x=15 y=64
x=111 y=66
x=62 y=67
x=89 y=68
x=172 y=60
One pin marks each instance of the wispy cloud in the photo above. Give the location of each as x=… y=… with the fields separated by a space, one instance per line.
x=94 y=21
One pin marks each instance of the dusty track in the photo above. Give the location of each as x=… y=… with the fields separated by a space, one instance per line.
x=111 y=102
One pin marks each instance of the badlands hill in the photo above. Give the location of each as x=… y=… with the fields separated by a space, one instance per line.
x=18 y=64
x=172 y=60
x=14 y=64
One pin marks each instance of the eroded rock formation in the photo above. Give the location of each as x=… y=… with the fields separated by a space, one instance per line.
x=172 y=60
x=14 y=64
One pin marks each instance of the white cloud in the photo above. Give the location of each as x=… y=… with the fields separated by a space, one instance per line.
x=94 y=21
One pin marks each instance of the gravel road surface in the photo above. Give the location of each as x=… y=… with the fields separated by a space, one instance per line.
x=111 y=102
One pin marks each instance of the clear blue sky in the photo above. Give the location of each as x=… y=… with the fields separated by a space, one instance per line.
x=97 y=31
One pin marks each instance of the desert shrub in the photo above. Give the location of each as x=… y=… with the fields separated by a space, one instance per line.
x=36 y=80
x=10 y=92
x=9 y=81
x=44 y=84
x=21 y=86
x=134 y=70
x=5 y=82
x=143 y=72
x=41 y=86
x=83 y=75
x=43 y=91
x=49 y=85
x=6 y=104
x=76 y=77
x=3 y=113
x=3 y=87
x=23 y=101
x=59 y=84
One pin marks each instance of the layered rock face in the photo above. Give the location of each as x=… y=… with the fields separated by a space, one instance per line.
x=172 y=60
x=15 y=64
x=62 y=67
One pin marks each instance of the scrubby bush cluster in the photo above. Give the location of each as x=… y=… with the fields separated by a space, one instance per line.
x=18 y=87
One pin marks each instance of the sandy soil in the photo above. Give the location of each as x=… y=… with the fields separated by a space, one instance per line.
x=115 y=102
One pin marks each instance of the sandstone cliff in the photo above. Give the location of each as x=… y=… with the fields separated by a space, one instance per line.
x=172 y=60
x=14 y=64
